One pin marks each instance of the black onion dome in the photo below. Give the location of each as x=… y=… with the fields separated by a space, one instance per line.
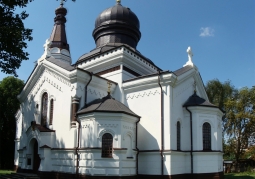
x=115 y=26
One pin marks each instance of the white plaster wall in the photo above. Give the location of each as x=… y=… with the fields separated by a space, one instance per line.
x=181 y=93
x=177 y=162
x=120 y=126
x=149 y=163
x=207 y=162
x=146 y=103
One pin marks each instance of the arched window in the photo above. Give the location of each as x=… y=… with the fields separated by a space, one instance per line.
x=178 y=136
x=107 y=140
x=51 y=111
x=44 y=109
x=206 y=136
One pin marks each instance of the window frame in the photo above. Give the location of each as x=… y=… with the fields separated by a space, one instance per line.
x=107 y=145
x=44 y=108
x=51 y=111
x=178 y=135
x=207 y=139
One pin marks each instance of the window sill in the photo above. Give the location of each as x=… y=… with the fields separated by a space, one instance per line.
x=130 y=157
x=106 y=157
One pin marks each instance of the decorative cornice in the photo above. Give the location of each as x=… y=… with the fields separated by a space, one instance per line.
x=116 y=56
x=142 y=94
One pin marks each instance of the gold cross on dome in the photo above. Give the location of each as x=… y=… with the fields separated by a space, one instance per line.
x=109 y=87
x=118 y=1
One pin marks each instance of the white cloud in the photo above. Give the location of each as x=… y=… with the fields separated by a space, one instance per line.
x=206 y=32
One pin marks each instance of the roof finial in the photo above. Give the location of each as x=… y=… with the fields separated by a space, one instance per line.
x=109 y=87
x=118 y=1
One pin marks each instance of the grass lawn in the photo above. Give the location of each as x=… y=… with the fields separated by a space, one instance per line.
x=2 y=172
x=244 y=175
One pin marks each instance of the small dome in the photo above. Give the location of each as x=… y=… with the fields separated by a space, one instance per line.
x=115 y=26
x=106 y=104
x=195 y=100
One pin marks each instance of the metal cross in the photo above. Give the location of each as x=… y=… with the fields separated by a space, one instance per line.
x=118 y=1
x=195 y=86
x=62 y=2
x=190 y=54
x=109 y=87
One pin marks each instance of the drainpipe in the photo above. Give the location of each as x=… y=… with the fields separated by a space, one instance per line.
x=136 y=147
x=86 y=89
x=79 y=127
x=162 y=126
x=191 y=141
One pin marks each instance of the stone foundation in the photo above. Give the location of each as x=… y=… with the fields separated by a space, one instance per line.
x=58 y=175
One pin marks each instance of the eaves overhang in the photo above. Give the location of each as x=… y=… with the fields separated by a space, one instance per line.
x=113 y=56
x=149 y=81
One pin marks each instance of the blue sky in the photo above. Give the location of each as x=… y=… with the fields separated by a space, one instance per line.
x=220 y=32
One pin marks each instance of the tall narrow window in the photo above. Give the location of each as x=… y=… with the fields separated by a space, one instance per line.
x=178 y=136
x=206 y=136
x=107 y=140
x=44 y=109
x=51 y=111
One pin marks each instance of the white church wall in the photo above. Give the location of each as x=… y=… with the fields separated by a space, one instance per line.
x=146 y=103
x=116 y=76
x=149 y=163
x=181 y=93
x=177 y=163
x=121 y=127
x=207 y=162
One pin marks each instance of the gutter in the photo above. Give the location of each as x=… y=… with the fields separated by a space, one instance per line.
x=191 y=142
x=79 y=127
x=162 y=126
x=138 y=151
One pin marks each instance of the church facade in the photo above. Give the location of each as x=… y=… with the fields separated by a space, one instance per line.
x=113 y=113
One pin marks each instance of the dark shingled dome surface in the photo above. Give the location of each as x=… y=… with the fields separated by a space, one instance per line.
x=195 y=100
x=115 y=26
x=106 y=104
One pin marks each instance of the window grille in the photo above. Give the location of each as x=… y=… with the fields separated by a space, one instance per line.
x=206 y=136
x=107 y=141
x=178 y=136
x=44 y=109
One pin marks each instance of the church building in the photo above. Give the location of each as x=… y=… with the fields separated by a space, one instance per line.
x=113 y=113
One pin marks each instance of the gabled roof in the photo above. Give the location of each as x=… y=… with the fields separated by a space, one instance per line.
x=182 y=70
x=106 y=104
x=61 y=64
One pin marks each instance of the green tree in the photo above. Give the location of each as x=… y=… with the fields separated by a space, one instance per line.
x=13 y=35
x=218 y=92
x=239 y=123
x=10 y=87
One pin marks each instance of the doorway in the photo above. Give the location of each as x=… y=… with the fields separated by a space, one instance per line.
x=36 y=158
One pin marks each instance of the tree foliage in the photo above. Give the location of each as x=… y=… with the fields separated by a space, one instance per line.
x=10 y=87
x=239 y=119
x=13 y=35
x=239 y=123
x=218 y=92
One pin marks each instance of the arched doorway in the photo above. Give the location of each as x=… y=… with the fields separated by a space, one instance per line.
x=36 y=158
